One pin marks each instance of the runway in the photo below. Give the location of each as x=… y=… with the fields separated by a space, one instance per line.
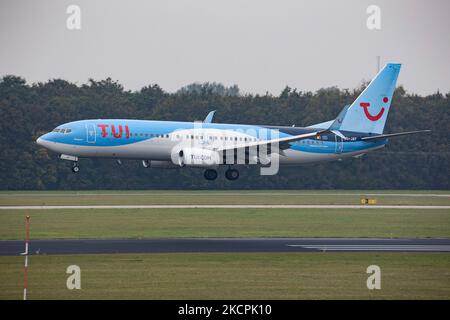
x=226 y=206
x=218 y=194
x=189 y=245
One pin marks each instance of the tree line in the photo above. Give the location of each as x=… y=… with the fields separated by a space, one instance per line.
x=29 y=110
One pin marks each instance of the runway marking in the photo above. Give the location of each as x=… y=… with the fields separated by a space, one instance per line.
x=174 y=245
x=411 y=247
x=231 y=206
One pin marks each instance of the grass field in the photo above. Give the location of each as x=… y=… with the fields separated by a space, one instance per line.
x=228 y=275
x=231 y=276
x=223 y=197
x=148 y=223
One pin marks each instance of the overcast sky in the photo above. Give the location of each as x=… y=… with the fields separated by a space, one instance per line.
x=258 y=45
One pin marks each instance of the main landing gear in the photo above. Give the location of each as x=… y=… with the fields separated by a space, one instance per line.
x=75 y=167
x=210 y=174
x=230 y=174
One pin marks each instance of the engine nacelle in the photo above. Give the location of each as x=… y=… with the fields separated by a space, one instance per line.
x=196 y=157
x=158 y=164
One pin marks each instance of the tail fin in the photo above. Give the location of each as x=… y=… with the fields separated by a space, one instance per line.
x=368 y=113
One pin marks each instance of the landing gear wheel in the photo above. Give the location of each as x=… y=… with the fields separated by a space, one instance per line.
x=75 y=168
x=210 y=174
x=232 y=174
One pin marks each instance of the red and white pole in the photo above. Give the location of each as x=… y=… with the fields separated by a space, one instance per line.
x=27 y=223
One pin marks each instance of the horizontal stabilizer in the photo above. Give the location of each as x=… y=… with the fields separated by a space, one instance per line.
x=322 y=125
x=336 y=125
x=384 y=136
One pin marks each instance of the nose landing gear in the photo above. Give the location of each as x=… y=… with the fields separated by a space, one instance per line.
x=75 y=167
x=73 y=159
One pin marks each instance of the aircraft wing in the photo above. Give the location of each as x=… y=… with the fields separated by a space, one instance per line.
x=389 y=135
x=283 y=143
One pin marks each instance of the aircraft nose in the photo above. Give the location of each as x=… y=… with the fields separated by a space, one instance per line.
x=42 y=140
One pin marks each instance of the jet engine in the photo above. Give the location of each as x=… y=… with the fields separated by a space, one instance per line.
x=196 y=157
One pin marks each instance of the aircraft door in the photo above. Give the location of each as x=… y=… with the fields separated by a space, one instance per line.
x=90 y=133
x=339 y=144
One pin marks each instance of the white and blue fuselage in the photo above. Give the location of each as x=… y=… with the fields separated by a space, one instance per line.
x=156 y=140
x=357 y=130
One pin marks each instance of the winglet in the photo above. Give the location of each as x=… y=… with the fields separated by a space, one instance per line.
x=209 y=117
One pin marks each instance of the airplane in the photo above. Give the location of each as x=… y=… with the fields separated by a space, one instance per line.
x=357 y=130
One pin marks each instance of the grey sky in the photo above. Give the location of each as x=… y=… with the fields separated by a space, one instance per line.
x=259 y=45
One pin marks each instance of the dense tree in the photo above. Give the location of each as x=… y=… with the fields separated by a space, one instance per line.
x=210 y=88
x=27 y=111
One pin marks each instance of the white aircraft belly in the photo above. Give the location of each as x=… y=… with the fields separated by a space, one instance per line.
x=147 y=149
x=161 y=148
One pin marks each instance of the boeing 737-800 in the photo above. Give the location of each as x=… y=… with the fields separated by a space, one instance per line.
x=358 y=129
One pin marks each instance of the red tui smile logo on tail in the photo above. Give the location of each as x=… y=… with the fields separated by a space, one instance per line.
x=366 y=105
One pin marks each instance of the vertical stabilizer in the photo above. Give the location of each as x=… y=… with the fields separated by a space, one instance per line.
x=368 y=113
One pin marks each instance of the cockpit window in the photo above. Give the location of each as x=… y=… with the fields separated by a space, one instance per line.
x=62 y=130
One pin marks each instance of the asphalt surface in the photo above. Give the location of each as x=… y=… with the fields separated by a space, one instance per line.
x=96 y=246
x=229 y=206
x=215 y=194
